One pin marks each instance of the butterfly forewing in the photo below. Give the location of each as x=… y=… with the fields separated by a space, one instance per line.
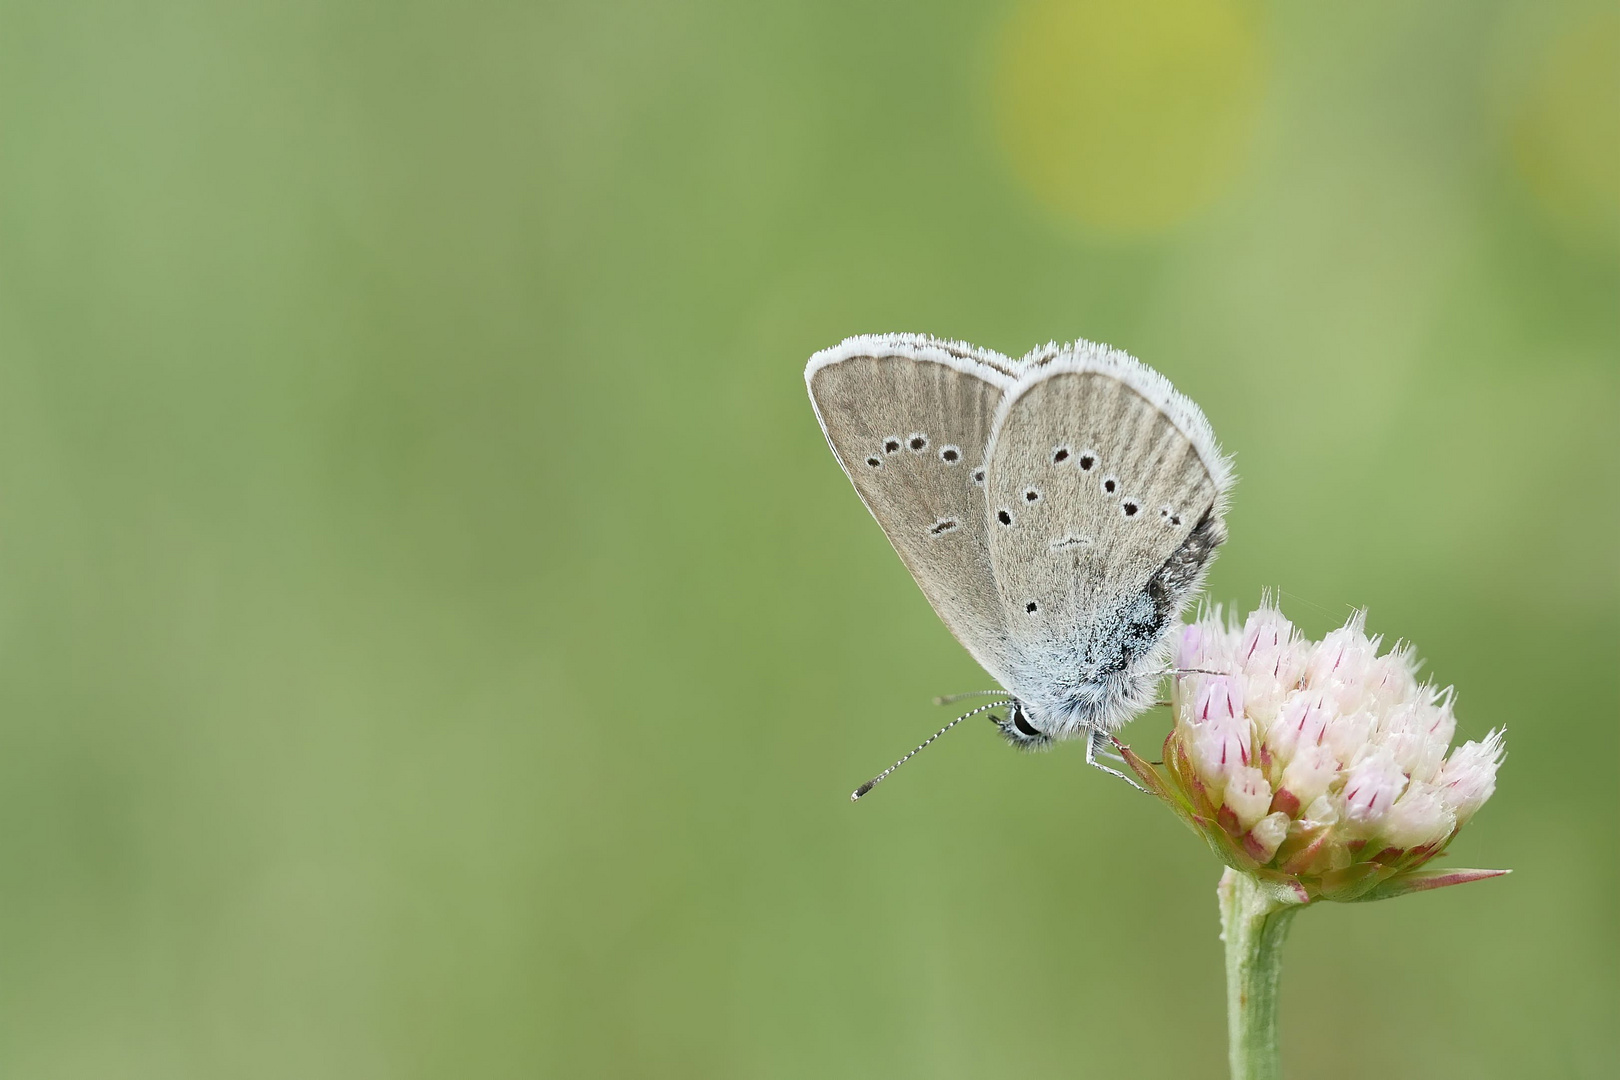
x=909 y=420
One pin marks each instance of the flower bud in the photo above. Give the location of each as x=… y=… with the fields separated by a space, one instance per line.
x=1347 y=736
x=1267 y=836
x=1419 y=818
x=1371 y=788
x=1271 y=660
x=1392 y=678
x=1341 y=661
x=1418 y=733
x=1308 y=775
x=1219 y=747
x=1203 y=647
x=1248 y=796
x=1220 y=697
x=1468 y=777
x=1264 y=634
x=1321 y=811
x=1302 y=720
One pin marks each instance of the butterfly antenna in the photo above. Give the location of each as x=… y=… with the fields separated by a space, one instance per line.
x=951 y=699
x=880 y=777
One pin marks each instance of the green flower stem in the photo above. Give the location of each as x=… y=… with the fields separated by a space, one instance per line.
x=1254 y=921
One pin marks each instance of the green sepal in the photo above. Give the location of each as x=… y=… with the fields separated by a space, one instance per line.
x=1353 y=882
x=1280 y=889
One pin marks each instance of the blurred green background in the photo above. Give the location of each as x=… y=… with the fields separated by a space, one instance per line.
x=435 y=640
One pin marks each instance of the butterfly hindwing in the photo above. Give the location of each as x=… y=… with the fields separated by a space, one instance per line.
x=909 y=419
x=1104 y=492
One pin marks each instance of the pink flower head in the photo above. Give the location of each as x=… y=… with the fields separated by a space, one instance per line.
x=1323 y=763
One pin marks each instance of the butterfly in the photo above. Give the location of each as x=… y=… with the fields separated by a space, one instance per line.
x=1058 y=511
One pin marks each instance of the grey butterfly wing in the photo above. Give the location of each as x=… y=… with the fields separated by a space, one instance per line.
x=909 y=419
x=1105 y=493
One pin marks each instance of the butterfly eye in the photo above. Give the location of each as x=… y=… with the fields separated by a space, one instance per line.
x=950 y=455
x=874 y=462
x=1129 y=507
x=1032 y=496
x=1060 y=454
x=919 y=442
x=1109 y=484
x=1024 y=727
x=978 y=476
x=1031 y=607
x=1087 y=460
x=891 y=445
x=1004 y=517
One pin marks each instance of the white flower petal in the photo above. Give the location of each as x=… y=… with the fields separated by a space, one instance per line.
x=1468 y=777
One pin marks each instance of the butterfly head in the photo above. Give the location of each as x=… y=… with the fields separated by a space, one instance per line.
x=1018 y=729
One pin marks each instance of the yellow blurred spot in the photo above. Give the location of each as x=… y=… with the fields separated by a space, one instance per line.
x=1127 y=117
x=1565 y=130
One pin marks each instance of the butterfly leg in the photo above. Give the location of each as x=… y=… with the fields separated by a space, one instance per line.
x=1095 y=748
